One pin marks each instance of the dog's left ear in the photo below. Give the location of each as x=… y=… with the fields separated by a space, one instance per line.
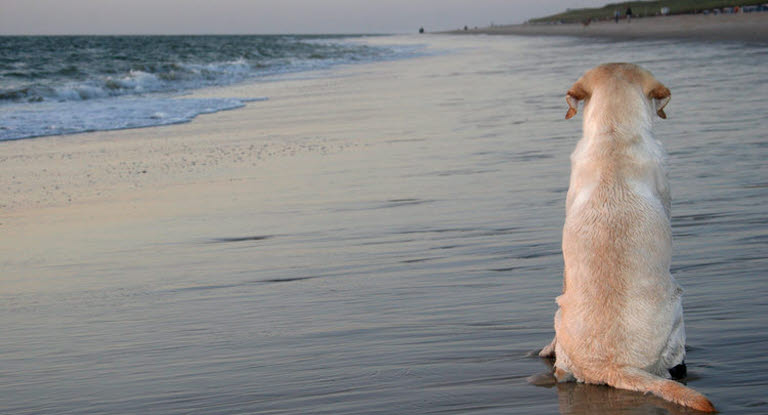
x=574 y=95
x=660 y=96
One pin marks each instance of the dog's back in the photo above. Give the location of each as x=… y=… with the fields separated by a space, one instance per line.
x=620 y=317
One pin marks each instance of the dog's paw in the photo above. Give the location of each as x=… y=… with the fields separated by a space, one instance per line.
x=548 y=352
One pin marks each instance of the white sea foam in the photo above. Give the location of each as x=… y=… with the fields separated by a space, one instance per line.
x=111 y=85
x=55 y=118
x=137 y=82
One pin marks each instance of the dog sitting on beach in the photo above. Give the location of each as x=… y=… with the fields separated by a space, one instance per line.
x=620 y=317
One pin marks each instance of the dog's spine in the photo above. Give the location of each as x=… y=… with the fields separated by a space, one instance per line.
x=642 y=381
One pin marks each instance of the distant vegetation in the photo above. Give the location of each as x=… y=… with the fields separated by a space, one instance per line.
x=643 y=8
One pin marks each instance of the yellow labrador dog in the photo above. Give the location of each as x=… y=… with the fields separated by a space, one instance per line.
x=620 y=317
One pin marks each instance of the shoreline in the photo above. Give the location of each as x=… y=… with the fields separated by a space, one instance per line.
x=747 y=27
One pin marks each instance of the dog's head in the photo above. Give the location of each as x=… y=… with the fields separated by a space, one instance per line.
x=613 y=75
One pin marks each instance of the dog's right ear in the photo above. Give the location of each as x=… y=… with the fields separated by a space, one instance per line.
x=574 y=95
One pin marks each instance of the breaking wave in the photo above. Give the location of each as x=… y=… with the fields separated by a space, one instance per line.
x=47 y=83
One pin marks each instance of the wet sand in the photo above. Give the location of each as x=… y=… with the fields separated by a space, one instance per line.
x=375 y=239
x=749 y=27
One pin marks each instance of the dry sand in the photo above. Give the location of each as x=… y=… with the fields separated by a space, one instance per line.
x=750 y=27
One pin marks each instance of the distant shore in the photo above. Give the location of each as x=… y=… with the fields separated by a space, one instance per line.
x=748 y=27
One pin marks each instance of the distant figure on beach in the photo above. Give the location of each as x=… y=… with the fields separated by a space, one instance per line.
x=421 y=30
x=616 y=15
x=629 y=14
x=466 y=28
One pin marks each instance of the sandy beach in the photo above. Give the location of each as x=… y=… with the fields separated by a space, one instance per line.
x=379 y=238
x=749 y=27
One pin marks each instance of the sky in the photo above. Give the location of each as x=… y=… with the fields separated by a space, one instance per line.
x=21 y=17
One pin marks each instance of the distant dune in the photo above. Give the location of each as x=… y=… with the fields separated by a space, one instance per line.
x=750 y=27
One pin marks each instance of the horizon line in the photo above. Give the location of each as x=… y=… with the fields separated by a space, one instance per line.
x=212 y=34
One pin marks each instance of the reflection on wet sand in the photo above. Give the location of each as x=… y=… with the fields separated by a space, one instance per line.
x=581 y=398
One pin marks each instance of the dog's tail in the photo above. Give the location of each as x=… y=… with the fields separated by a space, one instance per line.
x=642 y=381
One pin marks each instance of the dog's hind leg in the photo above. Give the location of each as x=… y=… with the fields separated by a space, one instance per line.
x=549 y=350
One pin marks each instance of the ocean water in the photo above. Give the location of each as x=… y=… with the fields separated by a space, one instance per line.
x=52 y=85
x=413 y=275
